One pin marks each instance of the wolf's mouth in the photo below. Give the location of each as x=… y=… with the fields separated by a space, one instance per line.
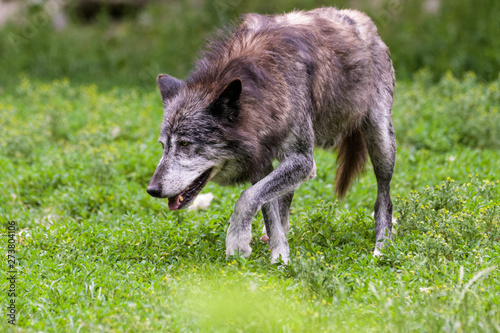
x=184 y=198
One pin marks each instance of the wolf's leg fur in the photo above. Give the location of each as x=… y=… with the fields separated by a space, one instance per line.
x=278 y=243
x=273 y=228
x=276 y=225
x=285 y=201
x=294 y=169
x=381 y=144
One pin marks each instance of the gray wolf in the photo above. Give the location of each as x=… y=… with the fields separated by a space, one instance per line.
x=271 y=90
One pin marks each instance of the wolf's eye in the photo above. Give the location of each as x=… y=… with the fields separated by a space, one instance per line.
x=184 y=143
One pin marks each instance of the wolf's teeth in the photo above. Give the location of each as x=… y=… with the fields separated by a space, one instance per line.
x=181 y=199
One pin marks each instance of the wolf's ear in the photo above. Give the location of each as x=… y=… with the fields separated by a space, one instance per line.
x=227 y=104
x=169 y=86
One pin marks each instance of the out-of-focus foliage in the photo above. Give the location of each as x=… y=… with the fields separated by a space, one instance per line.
x=450 y=113
x=459 y=36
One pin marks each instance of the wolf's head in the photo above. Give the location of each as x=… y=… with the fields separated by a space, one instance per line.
x=195 y=136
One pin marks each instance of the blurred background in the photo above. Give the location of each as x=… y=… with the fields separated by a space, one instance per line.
x=128 y=42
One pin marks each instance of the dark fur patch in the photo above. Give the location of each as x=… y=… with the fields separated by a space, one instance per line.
x=349 y=20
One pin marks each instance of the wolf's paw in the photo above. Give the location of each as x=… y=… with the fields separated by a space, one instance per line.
x=242 y=249
x=280 y=251
x=265 y=237
x=238 y=243
x=378 y=247
x=276 y=258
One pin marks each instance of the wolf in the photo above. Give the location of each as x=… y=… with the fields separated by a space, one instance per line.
x=272 y=89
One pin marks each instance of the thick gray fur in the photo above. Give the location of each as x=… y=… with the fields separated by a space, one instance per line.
x=273 y=89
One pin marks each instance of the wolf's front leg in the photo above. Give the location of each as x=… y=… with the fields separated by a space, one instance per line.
x=274 y=229
x=276 y=213
x=292 y=171
x=239 y=233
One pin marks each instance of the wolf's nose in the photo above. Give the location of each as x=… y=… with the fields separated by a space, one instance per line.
x=154 y=191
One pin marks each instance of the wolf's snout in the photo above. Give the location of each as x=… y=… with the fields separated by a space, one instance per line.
x=154 y=190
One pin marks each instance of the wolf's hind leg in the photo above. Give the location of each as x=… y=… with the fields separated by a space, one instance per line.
x=381 y=144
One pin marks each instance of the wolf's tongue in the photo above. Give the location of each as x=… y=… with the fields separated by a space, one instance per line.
x=174 y=203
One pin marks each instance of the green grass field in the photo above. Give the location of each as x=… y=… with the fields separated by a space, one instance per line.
x=96 y=253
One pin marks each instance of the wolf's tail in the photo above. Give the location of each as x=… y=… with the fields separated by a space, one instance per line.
x=351 y=161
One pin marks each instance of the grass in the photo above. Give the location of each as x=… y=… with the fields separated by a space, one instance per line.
x=97 y=254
